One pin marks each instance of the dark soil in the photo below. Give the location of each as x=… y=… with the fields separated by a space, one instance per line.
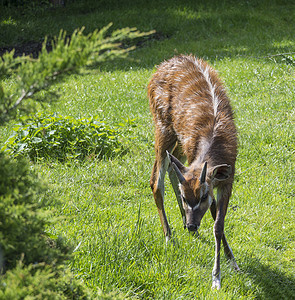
x=33 y=48
x=30 y=48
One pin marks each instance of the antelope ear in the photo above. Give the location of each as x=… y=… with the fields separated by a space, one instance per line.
x=221 y=172
x=177 y=166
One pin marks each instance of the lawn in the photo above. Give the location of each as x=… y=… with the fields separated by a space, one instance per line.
x=107 y=208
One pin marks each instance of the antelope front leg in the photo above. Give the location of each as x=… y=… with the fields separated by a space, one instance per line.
x=220 y=211
x=227 y=250
x=157 y=186
x=216 y=269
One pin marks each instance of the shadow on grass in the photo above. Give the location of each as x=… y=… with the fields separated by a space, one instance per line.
x=211 y=29
x=273 y=283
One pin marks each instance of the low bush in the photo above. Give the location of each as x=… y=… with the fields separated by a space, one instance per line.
x=41 y=281
x=23 y=218
x=61 y=138
x=31 y=264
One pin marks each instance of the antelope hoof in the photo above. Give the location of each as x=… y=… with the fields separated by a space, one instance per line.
x=216 y=284
x=167 y=239
x=235 y=266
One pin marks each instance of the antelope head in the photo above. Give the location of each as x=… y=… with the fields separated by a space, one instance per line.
x=196 y=188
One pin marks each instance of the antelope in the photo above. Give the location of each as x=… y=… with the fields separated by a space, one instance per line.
x=193 y=121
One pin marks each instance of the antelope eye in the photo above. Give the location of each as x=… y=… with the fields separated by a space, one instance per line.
x=183 y=199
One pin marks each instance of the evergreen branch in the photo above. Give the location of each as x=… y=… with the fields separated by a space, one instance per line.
x=68 y=55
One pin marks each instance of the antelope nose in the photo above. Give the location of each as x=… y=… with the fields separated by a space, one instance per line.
x=192 y=227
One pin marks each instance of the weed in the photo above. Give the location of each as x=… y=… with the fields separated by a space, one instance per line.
x=62 y=138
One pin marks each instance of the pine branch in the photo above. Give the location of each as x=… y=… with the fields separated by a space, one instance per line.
x=68 y=56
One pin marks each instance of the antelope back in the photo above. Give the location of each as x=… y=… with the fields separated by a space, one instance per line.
x=189 y=104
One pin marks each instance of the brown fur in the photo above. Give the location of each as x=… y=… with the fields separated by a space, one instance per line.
x=179 y=99
x=193 y=117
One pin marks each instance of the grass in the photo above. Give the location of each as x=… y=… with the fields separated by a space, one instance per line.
x=108 y=210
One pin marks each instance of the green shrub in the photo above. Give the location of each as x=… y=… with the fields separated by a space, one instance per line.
x=22 y=218
x=41 y=281
x=61 y=138
x=31 y=264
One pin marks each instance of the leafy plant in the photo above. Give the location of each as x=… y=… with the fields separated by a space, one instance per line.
x=61 y=138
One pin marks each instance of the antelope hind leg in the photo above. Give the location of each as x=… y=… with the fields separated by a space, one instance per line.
x=229 y=253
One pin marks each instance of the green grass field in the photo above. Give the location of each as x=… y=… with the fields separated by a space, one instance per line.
x=107 y=208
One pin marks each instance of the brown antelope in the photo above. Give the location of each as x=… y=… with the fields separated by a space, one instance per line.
x=194 y=122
